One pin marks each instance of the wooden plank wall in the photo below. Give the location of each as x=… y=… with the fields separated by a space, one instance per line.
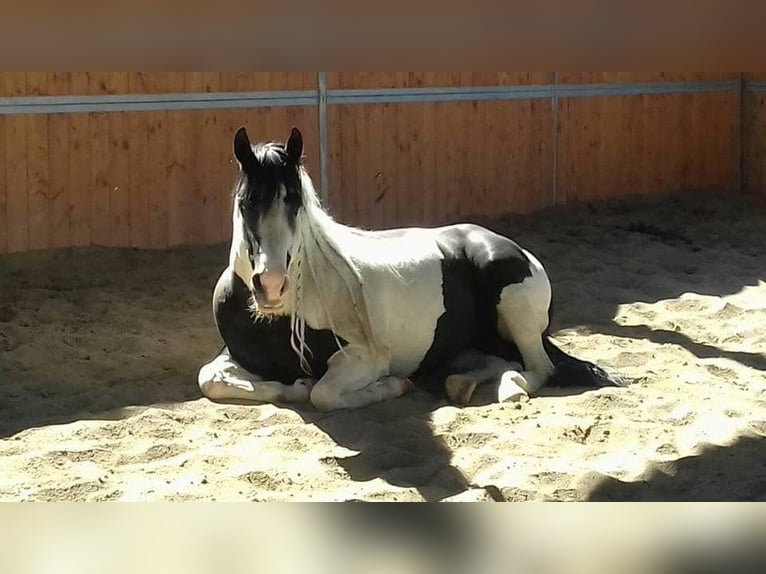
x=621 y=145
x=138 y=179
x=427 y=163
x=101 y=83
x=754 y=143
x=160 y=179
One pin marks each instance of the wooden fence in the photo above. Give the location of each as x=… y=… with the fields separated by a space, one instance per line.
x=754 y=133
x=144 y=159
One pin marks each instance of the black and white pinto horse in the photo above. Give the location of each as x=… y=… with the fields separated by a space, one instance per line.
x=310 y=309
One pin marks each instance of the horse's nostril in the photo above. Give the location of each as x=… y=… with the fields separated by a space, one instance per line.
x=273 y=284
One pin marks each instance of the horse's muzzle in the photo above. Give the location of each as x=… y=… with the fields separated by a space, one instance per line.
x=271 y=306
x=270 y=290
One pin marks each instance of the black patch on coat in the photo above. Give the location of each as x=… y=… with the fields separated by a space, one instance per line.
x=262 y=347
x=477 y=264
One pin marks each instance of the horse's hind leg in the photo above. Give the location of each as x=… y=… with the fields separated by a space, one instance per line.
x=224 y=380
x=473 y=368
x=522 y=316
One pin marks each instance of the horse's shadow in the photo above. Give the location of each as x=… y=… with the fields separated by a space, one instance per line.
x=395 y=442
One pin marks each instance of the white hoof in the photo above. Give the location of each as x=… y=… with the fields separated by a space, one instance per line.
x=400 y=385
x=510 y=389
x=460 y=389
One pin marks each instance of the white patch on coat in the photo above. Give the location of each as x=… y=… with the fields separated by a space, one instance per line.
x=382 y=294
x=239 y=260
x=276 y=237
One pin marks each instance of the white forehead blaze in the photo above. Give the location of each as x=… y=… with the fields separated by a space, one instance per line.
x=276 y=235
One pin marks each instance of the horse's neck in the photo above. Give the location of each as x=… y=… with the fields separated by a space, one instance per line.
x=331 y=296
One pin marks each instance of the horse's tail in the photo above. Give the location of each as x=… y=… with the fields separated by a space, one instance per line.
x=573 y=372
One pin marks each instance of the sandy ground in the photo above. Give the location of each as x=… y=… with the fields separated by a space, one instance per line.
x=99 y=350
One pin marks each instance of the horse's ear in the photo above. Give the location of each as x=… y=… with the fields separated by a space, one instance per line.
x=243 y=150
x=294 y=146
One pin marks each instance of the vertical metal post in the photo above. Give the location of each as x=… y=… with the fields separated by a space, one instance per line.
x=555 y=114
x=324 y=191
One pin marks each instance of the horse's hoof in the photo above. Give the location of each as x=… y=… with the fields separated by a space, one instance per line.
x=401 y=385
x=509 y=390
x=302 y=389
x=460 y=389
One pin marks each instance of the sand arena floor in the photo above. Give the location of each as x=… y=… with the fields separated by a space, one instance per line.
x=99 y=350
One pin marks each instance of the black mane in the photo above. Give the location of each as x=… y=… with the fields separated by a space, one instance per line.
x=260 y=182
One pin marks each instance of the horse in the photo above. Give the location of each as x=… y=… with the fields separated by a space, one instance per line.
x=313 y=310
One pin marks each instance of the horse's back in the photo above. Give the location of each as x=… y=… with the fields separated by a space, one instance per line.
x=502 y=260
x=498 y=257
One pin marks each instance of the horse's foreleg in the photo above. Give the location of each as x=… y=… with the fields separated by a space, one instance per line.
x=353 y=380
x=224 y=380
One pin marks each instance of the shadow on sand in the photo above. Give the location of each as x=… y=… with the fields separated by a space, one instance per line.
x=691 y=242
x=732 y=473
x=397 y=445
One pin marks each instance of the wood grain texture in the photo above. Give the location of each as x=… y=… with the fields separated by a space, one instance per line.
x=157 y=133
x=139 y=178
x=615 y=146
x=754 y=144
x=119 y=173
x=37 y=174
x=13 y=84
x=100 y=179
x=634 y=77
x=80 y=167
x=340 y=202
x=3 y=191
x=200 y=169
x=37 y=168
x=160 y=179
x=57 y=194
x=119 y=178
x=358 y=80
x=427 y=164
x=103 y=83
x=754 y=76
x=178 y=177
x=17 y=183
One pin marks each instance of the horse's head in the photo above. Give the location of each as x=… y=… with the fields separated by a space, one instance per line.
x=266 y=205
